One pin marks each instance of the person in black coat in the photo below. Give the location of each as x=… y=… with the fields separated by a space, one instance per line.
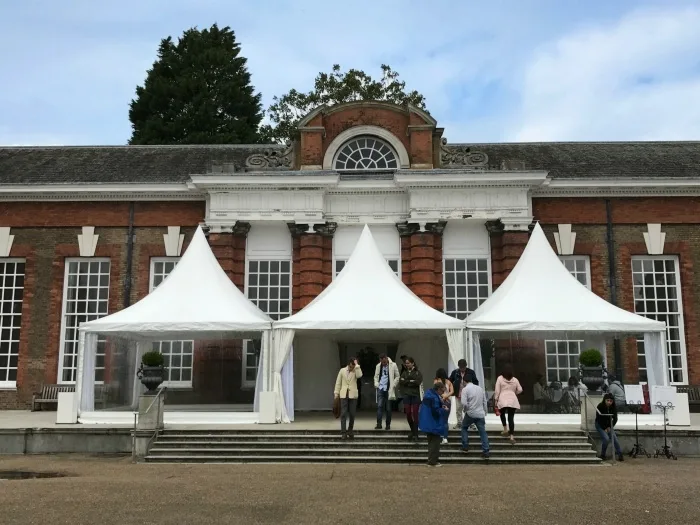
x=605 y=420
x=458 y=382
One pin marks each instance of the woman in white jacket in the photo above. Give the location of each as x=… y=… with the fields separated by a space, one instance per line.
x=386 y=377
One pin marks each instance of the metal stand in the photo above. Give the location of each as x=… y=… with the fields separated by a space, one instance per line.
x=666 y=449
x=637 y=448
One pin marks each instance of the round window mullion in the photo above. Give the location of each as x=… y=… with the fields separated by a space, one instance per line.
x=365 y=153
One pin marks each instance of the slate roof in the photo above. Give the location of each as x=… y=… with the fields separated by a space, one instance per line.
x=172 y=164
x=597 y=159
x=117 y=164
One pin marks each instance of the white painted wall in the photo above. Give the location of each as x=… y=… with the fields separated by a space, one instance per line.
x=316 y=365
x=269 y=240
x=464 y=238
x=429 y=354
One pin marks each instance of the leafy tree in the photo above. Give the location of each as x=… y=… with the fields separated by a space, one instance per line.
x=197 y=92
x=334 y=88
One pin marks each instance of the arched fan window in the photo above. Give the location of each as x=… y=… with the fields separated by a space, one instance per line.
x=365 y=153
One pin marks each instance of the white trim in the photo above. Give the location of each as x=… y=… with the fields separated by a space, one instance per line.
x=98 y=191
x=173 y=241
x=489 y=276
x=469 y=178
x=351 y=133
x=587 y=261
x=62 y=340
x=262 y=181
x=87 y=241
x=565 y=239
x=12 y=385
x=620 y=187
x=6 y=240
x=654 y=239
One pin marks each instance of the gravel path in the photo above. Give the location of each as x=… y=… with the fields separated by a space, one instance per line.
x=113 y=491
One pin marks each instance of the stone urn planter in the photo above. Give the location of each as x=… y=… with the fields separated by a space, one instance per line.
x=591 y=363
x=152 y=372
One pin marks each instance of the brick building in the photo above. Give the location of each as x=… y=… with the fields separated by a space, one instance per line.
x=86 y=231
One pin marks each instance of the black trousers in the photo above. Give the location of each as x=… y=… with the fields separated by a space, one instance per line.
x=511 y=421
x=347 y=411
x=434 y=448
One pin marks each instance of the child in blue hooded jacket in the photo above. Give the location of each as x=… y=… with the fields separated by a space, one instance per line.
x=430 y=420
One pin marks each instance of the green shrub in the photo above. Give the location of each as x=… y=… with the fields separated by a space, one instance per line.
x=152 y=358
x=591 y=357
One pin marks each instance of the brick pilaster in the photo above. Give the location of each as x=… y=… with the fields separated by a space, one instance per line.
x=421 y=260
x=229 y=249
x=312 y=268
x=506 y=248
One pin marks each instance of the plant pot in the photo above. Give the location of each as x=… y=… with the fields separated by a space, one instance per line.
x=151 y=376
x=592 y=377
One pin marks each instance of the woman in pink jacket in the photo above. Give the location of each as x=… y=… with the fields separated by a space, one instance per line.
x=506 y=398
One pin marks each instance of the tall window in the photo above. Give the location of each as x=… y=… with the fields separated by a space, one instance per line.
x=467 y=285
x=340 y=264
x=269 y=286
x=365 y=153
x=579 y=267
x=178 y=356
x=85 y=298
x=657 y=295
x=11 y=295
x=562 y=359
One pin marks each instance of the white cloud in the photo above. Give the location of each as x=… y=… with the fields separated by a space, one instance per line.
x=637 y=79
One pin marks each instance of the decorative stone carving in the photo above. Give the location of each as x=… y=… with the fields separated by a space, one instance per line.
x=241 y=228
x=324 y=229
x=654 y=238
x=565 y=239
x=173 y=241
x=87 y=241
x=461 y=156
x=494 y=227
x=6 y=241
x=406 y=229
x=271 y=159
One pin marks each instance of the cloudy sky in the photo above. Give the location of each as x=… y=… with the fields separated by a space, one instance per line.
x=491 y=70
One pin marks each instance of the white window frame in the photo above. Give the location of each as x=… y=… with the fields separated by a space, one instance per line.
x=12 y=385
x=158 y=345
x=64 y=302
x=681 y=320
x=575 y=258
x=571 y=371
x=345 y=261
x=246 y=383
x=489 y=279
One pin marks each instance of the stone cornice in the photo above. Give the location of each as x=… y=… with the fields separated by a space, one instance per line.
x=642 y=187
x=99 y=192
x=453 y=178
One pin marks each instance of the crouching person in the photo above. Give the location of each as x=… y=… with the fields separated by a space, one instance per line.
x=475 y=406
x=430 y=421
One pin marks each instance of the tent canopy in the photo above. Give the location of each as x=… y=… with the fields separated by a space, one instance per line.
x=540 y=295
x=368 y=296
x=196 y=299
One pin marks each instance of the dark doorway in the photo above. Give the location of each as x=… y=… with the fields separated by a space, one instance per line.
x=367 y=355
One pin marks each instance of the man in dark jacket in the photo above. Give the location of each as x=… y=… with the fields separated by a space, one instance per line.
x=605 y=420
x=429 y=421
x=457 y=378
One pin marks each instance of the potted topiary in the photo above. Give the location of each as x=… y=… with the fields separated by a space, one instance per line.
x=591 y=363
x=151 y=372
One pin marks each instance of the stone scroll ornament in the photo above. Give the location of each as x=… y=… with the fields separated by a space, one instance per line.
x=461 y=156
x=270 y=159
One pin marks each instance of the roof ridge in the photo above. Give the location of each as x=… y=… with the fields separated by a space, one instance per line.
x=149 y=146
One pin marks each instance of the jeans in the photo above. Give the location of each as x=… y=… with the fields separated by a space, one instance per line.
x=605 y=439
x=434 y=448
x=511 y=419
x=480 y=423
x=347 y=409
x=444 y=418
x=383 y=405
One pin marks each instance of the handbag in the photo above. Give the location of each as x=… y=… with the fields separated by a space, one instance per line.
x=336 y=407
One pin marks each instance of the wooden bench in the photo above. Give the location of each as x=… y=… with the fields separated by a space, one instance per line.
x=693 y=392
x=49 y=395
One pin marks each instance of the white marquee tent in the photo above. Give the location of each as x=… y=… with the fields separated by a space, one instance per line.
x=367 y=299
x=541 y=296
x=197 y=299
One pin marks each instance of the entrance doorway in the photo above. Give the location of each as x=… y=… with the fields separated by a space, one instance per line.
x=367 y=355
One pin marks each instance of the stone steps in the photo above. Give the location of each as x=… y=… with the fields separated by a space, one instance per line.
x=255 y=446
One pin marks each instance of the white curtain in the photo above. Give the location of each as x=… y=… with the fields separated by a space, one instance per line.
x=455 y=346
x=656 y=359
x=258 y=384
x=282 y=340
x=288 y=384
x=138 y=388
x=477 y=365
x=85 y=372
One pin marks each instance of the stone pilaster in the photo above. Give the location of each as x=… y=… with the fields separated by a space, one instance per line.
x=229 y=249
x=312 y=270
